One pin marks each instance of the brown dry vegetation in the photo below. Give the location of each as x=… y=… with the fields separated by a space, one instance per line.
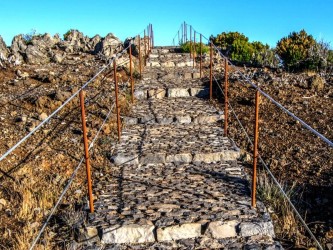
x=34 y=175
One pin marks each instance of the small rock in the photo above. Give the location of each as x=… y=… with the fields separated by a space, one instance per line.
x=42 y=116
x=185 y=231
x=129 y=234
x=221 y=230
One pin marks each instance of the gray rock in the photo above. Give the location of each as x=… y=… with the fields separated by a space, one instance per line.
x=140 y=94
x=128 y=234
x=121 y=159
x=184 y=119
x=221 y=230
x=152 y=158
x=178 y=92
x=18 y=48
x=256 y=228
x=111 y=45
x=184 y=231
x=156 y=93
x=4 y=52
x=179 y=158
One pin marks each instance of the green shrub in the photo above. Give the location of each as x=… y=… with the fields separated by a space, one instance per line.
x=237 y=47
x=66 y=35
x=186 y=47
x=294 y=51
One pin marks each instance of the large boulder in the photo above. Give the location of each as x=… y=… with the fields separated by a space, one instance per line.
x=95 y=44
x=75 y=41
x=4 y=52
x=39 y=49
x=111 y=45
x=18 y=48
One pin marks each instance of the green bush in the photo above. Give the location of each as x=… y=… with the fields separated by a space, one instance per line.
x=294 y=51
x=238 y=48
x=186 y=47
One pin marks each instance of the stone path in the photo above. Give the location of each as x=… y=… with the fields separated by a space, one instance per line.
x=175 y=181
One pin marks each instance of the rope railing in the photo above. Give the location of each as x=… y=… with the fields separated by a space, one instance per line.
x=246 y=80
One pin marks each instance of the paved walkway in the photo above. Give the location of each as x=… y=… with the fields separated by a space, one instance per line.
x=175 y=182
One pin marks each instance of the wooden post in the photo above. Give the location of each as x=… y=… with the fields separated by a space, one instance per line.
x=86 y=152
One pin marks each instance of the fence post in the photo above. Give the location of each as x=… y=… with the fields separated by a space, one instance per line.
x=191 y=41
x=86 y=152
x=144 y=43
x=140 y=58
x=152 y=36
x=226 y=101
x=200 y=55
x=131 y=73
x=211 y=73
x=117 y=102
x=194 y=51
x=255 y=151
x=148 y=38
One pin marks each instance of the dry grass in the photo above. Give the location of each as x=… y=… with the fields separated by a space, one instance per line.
x=286 y=224
x=33 y=188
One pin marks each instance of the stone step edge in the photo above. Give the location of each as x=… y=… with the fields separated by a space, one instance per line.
x=169 y=64
x=149 y=233
x=159 y=93
x=177 y=119
x=180 y=158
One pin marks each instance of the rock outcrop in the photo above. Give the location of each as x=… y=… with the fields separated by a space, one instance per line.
x=41 y=49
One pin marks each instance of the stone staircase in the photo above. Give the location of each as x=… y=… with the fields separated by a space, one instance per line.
x=175 y=182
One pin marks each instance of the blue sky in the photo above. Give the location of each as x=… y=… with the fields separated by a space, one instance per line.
x=265 y=21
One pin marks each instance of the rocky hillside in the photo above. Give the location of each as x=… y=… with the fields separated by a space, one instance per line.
x=41 y=49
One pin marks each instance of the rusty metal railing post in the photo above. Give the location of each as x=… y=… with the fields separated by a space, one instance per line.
x=148 y=38
x=200 y=55
x=144 y=43
x=140 y=58
x=86 y=152
x=255 y=151
x=117 y=101
x=152 y=36
x=211 y=73
x=191 y=41
x=131 y=73
x=194 y=51
x=226 y=101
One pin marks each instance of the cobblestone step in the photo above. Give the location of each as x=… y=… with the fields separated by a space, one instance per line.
x=183 y=143
x=156 y=204
x=167 y=111
x=175 y=181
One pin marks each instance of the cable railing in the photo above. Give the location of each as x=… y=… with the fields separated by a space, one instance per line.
x=148 y=42
x=182 y=38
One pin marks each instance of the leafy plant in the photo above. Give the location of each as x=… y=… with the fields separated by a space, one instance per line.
x=237 y=46
x=295 y=49
x=66 y=35
x=186 y=47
